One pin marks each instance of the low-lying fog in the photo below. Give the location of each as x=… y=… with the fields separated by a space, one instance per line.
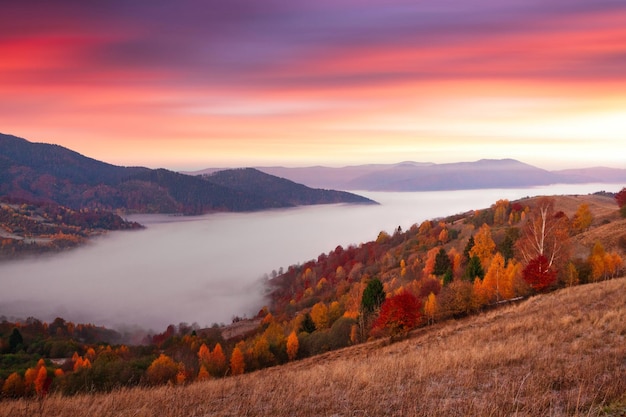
x=207 y=269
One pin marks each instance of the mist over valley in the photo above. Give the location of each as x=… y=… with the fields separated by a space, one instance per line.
x=207 y=269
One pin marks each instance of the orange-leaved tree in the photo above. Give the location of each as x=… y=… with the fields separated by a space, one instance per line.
x=237 y=363
x=13 y=387
x=217 y=365
x=292 y=346
x=42 y=382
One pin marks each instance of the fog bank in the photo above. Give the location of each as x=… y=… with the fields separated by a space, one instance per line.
x=207 y=269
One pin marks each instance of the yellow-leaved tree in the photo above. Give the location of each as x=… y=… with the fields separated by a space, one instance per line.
x=430 y=308
x=484 y=246
x=582 y=218
x=162 y=370
x=319 y=315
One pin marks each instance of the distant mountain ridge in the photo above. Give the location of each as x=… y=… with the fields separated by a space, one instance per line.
x=415 y=176
x=51 y=173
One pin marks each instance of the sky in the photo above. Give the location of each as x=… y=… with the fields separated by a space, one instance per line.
x=194 y=84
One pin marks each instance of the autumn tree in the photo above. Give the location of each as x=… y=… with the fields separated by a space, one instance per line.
x=319 y=315
x=261 y=353
x=13 y=387
x=484 y=246
x=399 y=314
x=204 y=355
x=500 y=210
x=494 y=278
x=620 y=198
x=203 y=373
x=292 y=346
x=479 y=297
x=334 y=312
x=429 y=261
x=42 y=382
x=512 y=278
x=443 y=236
x=29 y=380
x=431 y=307
x=582 y=218
x=163 y=369
x=217 y=365
x=539 y=274
x=237 y=362
x=596 y=260
x=603 y=265
x=571 y=275
x=545 y=234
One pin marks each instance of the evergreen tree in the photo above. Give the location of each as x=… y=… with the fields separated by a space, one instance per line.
x=474 y=269
x=15 y=341
x=307 y=325
x=373 y=296
x=468 y=248
x=442 y=263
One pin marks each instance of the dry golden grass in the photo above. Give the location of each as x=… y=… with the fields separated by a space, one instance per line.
x=554 y=355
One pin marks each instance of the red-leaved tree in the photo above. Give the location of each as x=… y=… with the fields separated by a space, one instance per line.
x=539 y=274
x=620 y=198
x=398 y=314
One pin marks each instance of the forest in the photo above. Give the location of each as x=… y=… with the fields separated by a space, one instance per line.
x=439 y=270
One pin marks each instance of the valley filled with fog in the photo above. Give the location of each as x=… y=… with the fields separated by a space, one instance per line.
x=207 y=269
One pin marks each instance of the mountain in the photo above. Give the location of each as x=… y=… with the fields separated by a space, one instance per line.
x=414 y=176
x=595 y=174
x=50 y=173
x=271 y=188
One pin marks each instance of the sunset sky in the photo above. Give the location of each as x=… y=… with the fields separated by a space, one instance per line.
x=193 y=84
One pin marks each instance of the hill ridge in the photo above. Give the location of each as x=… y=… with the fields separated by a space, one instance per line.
x=52 y=173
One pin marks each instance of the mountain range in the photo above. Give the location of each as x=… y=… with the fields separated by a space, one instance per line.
x=417 y=176
x=51 y=173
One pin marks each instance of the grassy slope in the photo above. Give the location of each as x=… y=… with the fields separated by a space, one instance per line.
x=559 y=354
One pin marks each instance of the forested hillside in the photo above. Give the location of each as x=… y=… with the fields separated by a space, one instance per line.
x=28 y=228
x=39 y=172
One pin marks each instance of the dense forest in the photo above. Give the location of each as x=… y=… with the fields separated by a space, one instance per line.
x=438 y=270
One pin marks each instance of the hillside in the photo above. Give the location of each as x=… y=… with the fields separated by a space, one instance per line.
x=40 y=172
x=558 y=354
x=459 y=276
